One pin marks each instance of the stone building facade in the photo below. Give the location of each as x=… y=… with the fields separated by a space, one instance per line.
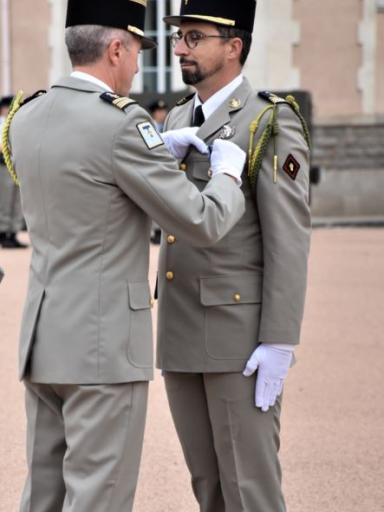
x=334 y=50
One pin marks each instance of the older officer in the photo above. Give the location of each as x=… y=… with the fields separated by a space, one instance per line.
x=236 y=306
x=93 y=170
x=11 y=217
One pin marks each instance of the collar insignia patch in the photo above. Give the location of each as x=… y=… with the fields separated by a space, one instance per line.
x=235 y=103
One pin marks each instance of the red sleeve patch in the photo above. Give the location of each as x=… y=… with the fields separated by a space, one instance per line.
x=291 y=167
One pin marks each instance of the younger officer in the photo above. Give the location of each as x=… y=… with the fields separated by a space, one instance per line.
x=238 y=305
x=11 y=217
x=93 y=171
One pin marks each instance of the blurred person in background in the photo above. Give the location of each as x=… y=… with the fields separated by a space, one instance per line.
x=11 y=216
x=229 y=315
x=159 y=111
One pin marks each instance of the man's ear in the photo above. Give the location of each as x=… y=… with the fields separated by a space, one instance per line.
x=114 y=51
x=235 y=46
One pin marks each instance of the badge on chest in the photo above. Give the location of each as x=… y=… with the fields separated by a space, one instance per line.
x=227 y=132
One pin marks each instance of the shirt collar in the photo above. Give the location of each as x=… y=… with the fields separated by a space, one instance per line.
x=90 y=78
x=214 y=102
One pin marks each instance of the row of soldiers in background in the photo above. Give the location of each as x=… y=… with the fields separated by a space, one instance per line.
x=11 y=217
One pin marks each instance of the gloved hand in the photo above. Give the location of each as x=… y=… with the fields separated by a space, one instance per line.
x=179 y=141
x=227 y=158
x=272 y=363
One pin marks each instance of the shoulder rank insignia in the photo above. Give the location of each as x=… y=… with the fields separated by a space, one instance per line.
x=185 y=100
x=121 y=102
x=272 y=98
x=37 y=94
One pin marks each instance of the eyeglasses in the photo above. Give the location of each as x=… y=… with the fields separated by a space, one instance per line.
x=191 y=38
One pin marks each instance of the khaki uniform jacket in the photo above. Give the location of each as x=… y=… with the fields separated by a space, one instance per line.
x=249 y=287
x=89 y=186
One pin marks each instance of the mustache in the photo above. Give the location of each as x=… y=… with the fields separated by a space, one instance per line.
x=183 y=60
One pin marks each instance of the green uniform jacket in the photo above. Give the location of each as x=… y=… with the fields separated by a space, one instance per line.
x=89 y=186
x=250 y=287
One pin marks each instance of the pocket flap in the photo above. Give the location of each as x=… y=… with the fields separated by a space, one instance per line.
x=139 y=295
x=200 y=170
x=231 y=289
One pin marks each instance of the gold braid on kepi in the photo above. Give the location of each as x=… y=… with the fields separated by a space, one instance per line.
x=16 y=104
x=257 y=153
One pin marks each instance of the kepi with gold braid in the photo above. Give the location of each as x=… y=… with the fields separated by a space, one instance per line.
x=238 y=14
x=123 y=14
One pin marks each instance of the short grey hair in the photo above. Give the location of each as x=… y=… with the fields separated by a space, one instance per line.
x=87 y=43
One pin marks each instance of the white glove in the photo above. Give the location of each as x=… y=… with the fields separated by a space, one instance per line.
x=272 y=363
x=227 y=158
x=179 y=141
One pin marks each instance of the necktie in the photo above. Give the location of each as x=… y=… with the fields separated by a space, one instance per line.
x=198 y=117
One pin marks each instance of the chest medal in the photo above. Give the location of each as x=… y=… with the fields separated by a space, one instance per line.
x=227 y=132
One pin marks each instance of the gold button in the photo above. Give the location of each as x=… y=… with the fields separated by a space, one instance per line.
x=170 y=276
x=237 y=297
x=171 y=239
x=152 y=302
x=183 y=167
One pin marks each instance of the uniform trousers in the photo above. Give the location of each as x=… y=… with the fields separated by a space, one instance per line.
x=230 y=447
x=11 y=216
x=84 y=446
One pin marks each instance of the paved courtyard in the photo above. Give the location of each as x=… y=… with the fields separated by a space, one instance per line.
x=333 y=420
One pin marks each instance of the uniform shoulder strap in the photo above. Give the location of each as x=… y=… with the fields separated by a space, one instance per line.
x=271 y=97
x=120 y=102
x=184 y=100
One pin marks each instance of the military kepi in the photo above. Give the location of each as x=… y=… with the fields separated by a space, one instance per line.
x=238 y=14
x=124 y=14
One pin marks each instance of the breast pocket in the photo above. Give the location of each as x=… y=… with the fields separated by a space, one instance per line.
x=200 y=172
x=140 y=348
x=232 y=305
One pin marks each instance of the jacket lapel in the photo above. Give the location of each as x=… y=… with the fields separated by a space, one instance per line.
x=182 y=116
x=222 y=115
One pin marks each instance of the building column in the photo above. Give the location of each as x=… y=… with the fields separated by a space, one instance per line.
x=5 y=67
x=367 y=72
x=270 y=63
x=60 y=64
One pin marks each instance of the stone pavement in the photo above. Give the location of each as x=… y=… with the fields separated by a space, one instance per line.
x=332 y=425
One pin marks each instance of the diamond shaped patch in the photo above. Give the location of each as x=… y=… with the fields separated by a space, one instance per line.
x=291 y=167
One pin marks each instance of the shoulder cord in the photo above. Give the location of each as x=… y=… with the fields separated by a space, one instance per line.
x=16 y=104
x=256 y=155
x=291 y=100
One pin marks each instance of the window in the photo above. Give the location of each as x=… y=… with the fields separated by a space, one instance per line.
x=157 y=64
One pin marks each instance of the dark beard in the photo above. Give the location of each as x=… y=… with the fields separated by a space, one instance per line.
x=192 y=78
x=197 y=76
